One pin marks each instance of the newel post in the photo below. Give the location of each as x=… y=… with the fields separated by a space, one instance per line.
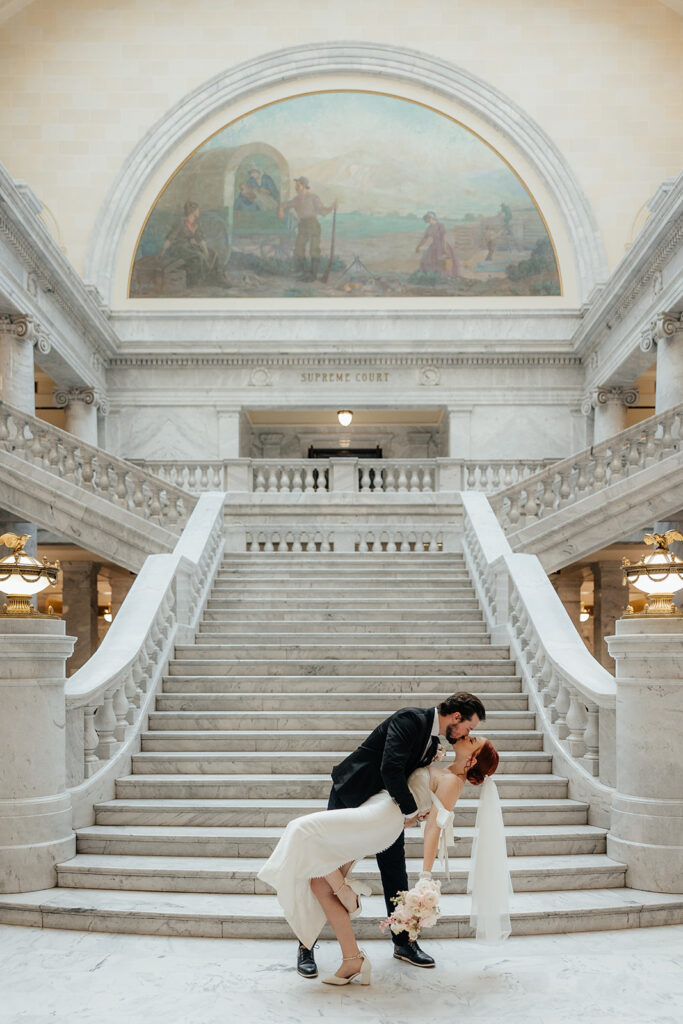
x=35 y=807
x=647 y=806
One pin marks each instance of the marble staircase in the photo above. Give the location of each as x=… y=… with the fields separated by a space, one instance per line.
x=297 y=657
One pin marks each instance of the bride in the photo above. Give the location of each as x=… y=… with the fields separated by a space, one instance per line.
x=309 y=868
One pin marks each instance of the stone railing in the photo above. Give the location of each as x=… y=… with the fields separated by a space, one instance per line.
x=572 y=695
x=569 y=481
x=119 y=482
x=108 y=698
x=369 y=477
x=381 y=539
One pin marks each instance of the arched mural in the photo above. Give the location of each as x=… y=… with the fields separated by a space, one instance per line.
x=344 y=193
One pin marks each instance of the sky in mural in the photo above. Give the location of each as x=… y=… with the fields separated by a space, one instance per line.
x=340 y=194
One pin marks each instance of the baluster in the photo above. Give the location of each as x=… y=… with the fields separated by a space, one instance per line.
x=634 y=456
x=562 y=705
x=508 y=475
x=402 y=479
x=268 y=545
x=297 y=474
x=155 y=506
x=428 y=481
x=513 y=510
x=576 y=725
x=471 y=471
x=649 y=448
x=426 y=541
x=260 y=481
x=326 y=544
x=139 y=680
x=120 y=709
x=564 y=491
x=90 y=742
x=309 y=479
x=36 y=450
x=553 y=690
x=388 y=479
x=591 y=738
x=666 y=441
x=105 y=724
x=272 y=479
x=494 y=477
x=285 y=480
x=599 y=471
x=414 y=479
x=363 y=543
x=581 y=484
x=363 y=478
x=4 y=426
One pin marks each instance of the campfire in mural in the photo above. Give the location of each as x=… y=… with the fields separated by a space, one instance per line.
x=344 y=194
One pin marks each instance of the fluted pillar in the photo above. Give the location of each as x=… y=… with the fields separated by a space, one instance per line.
x=665 y=334
x=79 y=608
x=81 y=406
x=610 y=600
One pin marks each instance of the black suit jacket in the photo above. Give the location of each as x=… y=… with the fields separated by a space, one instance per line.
x=385 y=760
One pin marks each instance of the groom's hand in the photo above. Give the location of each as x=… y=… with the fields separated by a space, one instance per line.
x=409 y=822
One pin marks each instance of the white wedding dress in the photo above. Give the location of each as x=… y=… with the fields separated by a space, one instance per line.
x=317 y=844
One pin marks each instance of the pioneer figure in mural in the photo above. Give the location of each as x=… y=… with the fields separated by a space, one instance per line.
x=185 y=245
x=266 y=191
x=308 y=207
x=440 y=257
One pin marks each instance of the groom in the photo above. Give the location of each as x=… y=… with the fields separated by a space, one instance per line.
x=406 y=740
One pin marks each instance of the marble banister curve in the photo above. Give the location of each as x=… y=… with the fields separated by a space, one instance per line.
x=338 y=58
x=572 y=695
x=108 y=698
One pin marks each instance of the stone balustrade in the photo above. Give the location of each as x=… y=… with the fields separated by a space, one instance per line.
x=573 y=696
x=108 y=699
x=335 y=537
x=564 y=483
x=369 y=477
x=119 y=482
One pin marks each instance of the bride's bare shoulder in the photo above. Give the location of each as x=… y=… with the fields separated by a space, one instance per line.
x=444 y=776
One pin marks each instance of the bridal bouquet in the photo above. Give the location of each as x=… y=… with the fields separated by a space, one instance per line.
x=416 y=909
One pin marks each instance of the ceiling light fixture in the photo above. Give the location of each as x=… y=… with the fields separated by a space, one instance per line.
x=345 y=416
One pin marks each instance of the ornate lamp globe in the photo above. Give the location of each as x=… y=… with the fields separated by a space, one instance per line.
x=659 y=575
x=345 y=416
x=22 y=576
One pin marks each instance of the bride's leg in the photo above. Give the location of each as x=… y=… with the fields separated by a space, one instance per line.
x=340 y=922
x=337 y=882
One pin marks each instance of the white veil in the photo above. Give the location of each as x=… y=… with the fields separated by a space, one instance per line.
x=489 y=878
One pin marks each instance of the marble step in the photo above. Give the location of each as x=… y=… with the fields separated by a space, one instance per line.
x=391 y=590
x=462 y=670
x=314 y=614
x=239 y=875
x=323 y=640
x=147 y=762
x=188 y=841
x=307 y=721
x=326 y=559
x=216 y=915
x=522 y=811
x=341 y=631
x=239 y=578
x=359 y=603
x=300 y=787
x=295 y=650
x=385 y=703
x=341 y=742
x=406 y=689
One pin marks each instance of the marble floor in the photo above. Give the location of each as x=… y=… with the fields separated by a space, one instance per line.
x=615 y=977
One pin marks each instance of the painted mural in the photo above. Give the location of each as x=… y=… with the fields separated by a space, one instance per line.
x=344 y=194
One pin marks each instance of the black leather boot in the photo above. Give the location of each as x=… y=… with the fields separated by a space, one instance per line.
x=305 y=963
x=412 y=954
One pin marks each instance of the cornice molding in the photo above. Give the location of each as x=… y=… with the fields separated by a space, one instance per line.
x=423 y=361
x=48 y=268
x=298 y=63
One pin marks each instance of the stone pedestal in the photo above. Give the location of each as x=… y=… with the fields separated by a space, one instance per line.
x=35 y=808
x=230 y=433
x=610 y=601
x=79 y=608
x=647 y=807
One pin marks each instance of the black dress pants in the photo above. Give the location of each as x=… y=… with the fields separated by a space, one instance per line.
x=392 y=869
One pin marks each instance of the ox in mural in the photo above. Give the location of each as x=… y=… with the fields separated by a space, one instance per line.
x=344 y=193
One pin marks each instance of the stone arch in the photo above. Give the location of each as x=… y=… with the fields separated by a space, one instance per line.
x=295 y=64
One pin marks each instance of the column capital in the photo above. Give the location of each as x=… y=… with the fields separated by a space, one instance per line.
x=663 y=327
x=66 y=395
x=23 y=326
x=601 y=396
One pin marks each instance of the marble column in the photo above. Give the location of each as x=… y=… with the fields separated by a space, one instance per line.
x=666 y=333
x=35 y=809
x=81 y=406
x=17 y=381
x=567 y=583
x=610 y=405
x=610 y=600
x=79 y=608
x=459 y=433
x=647 y=806
x=120 y=581
x=230 y=434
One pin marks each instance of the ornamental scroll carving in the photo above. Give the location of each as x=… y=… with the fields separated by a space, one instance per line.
x=603 y=396
x=64 y=396
x=662 y=328
x=26 y=327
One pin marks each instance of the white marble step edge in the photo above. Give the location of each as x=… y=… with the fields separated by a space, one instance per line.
x=250 y=916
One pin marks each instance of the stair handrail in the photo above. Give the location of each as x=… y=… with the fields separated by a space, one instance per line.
x=109 y=698
x=95 y=470
x=572 y=695
x=590 y=470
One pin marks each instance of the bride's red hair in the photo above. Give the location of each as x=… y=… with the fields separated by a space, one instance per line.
x=486 y=762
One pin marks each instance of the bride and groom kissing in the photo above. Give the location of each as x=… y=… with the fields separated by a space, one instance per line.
x=383 y=787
